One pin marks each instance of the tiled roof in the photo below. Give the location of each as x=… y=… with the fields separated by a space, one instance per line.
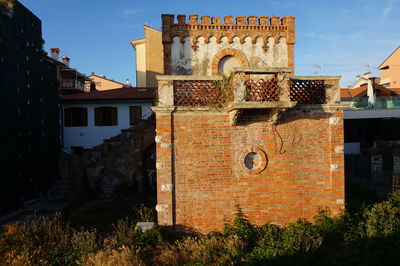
x=362 y=91
x=348 y=93
x=124 y=93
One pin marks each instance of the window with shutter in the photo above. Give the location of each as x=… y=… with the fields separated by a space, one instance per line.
x=67 y=117
x=106 y=116
x=114 y=116
x=97 y=116
x=135 y=114
x=75 y=117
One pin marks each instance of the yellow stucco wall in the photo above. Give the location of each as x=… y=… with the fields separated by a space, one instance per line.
x=103 y=84
x=154 y=56
x=393 y=72
x=149 y=58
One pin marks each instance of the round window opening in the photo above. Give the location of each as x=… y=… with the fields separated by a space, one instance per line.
x=255 y=160
x=252 y=160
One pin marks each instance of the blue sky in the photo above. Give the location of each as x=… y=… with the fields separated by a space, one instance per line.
x=341 y=36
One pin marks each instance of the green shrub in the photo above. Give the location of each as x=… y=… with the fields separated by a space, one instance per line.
x=151 y=237
x=240 y=227
x=83 y=243
x=269 y=244
x=382 y=220
x=300 y=236
x=274 y=243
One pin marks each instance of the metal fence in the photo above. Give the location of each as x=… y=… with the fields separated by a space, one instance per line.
x=358 y=171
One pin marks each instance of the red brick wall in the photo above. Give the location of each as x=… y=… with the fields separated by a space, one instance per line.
x=205 y=163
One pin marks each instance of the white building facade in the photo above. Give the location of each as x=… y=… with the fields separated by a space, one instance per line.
x=89 y=118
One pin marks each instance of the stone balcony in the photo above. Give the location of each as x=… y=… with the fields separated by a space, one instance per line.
x=275 y=89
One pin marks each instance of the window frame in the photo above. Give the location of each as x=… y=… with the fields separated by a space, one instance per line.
x=135 y=115
x=70 y=114
x=101 y=119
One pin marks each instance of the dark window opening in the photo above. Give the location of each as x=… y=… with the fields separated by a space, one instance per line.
x=77 y=150
x=75 y=117
x=135 y=114
x=106 y=116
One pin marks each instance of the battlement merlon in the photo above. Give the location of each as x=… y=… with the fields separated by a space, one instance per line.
x=250 y=23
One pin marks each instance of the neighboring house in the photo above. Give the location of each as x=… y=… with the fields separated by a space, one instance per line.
x=149 y=57
x=390 y=70
x=264 y=140
x=101 y=83
x=70 y=80
x=89 y=118
x=29 y=121
x=371 y=119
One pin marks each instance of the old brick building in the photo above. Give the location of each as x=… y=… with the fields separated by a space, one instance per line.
x=273 y=144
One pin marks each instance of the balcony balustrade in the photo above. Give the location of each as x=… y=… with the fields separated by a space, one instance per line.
x=71 y=84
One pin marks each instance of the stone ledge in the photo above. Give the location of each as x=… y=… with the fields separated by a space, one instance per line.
x=315 y=77
x=182 y=77
x=267 y=70
x=261 y=105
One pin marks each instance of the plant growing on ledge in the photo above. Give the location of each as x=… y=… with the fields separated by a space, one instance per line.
x=224 y=86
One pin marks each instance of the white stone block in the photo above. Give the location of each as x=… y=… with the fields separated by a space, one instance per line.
x=158 y=138
x=334 y=121
x=162 y=208
x=160 y=165
x=340 y=201
x=334 y=167
x=339 y=149
x=167 y=187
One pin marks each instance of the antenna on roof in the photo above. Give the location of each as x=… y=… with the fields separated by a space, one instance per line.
x=368 y=66
x=317 y=68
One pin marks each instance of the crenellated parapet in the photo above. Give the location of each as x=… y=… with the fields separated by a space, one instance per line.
x=242 y=26
x=201 y=29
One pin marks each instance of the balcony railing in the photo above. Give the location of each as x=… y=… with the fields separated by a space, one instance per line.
x=381 y=102
x=71 y=84
x=270 y=88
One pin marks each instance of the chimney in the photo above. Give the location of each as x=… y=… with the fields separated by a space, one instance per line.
x=65 y=60
x=367 y=75
x=55 y=52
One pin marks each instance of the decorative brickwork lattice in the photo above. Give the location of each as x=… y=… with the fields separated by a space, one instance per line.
x=195 y=92
x=308 y=91
x=262 y=90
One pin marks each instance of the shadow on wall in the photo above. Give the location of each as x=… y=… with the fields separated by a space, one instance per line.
x=316 y=113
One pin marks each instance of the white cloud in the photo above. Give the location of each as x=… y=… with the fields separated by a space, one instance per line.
x=387 y=11
x=130 y=11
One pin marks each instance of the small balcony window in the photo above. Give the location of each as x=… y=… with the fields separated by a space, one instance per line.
x=106 y=116
x=75 y=117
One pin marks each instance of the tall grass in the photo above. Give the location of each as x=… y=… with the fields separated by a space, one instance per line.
x=370 y=237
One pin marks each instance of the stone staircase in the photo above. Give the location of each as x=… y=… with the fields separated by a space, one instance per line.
x=100 y=151
x=73 y=166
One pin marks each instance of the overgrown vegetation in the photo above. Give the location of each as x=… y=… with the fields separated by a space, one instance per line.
x=368 y=237
x=225 y=91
